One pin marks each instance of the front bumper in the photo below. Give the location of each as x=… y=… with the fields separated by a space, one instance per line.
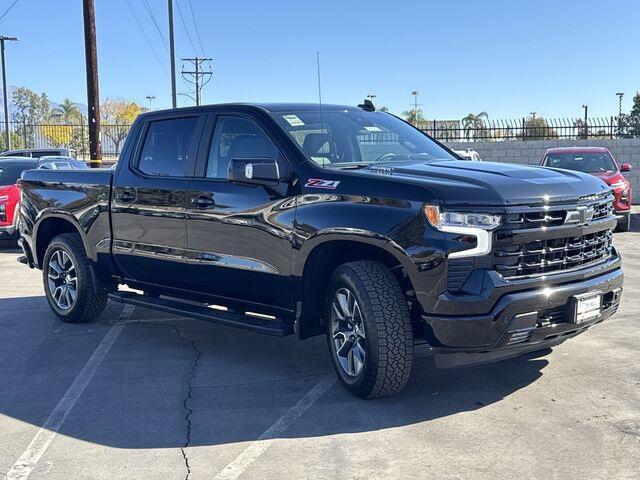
x=520 y=322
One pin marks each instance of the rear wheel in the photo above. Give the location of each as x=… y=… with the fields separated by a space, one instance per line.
x=369 y=330
x=68 y=284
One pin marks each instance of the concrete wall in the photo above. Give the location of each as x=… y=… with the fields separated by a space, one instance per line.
x=625 y=150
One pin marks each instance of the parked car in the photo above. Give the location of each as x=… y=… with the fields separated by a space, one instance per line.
x=61 y=163
x=287 y=219
x=37 y=152
x=10 y=171
x=600 y=162
x=468 y=154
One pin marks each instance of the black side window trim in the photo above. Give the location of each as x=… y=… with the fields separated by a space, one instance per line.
x=193 y=147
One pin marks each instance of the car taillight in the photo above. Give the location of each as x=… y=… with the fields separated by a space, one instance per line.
x=3 y=208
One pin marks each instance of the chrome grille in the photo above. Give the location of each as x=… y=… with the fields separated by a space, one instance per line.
x=552 y=216
x=549 y=255
x=553 y=255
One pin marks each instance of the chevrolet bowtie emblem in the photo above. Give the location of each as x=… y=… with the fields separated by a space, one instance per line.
x=581 y=216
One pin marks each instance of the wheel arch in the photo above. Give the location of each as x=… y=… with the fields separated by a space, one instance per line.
x=326 y=251
x=51 y=226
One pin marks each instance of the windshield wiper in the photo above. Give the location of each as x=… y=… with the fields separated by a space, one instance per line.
x=351 y=165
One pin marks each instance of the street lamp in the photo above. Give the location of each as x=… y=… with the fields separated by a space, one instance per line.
x=150 y=98
x=4 y=90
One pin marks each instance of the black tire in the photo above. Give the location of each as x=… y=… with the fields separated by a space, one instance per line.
x=90 y=299
x=624 y=224
x=387 y=326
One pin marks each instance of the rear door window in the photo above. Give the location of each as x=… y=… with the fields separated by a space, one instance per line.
x=168 y=147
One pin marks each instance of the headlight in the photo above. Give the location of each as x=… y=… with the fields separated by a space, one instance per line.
x=478 y=225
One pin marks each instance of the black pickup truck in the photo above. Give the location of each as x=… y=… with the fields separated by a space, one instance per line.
x=300 y=219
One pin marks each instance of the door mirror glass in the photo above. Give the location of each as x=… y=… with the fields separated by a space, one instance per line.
x=257 y=171
x=625 y=167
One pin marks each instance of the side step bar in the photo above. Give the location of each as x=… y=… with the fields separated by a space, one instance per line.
x=277 y=327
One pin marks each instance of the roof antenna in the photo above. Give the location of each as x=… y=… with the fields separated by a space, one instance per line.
x=320 y=96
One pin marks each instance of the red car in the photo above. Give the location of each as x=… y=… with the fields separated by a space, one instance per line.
x=597 y=161
x=10 y=171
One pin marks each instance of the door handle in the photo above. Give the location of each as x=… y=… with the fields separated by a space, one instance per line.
x=127 y=196
x=202 y=201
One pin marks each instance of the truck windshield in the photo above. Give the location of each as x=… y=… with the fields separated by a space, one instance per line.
x=346 y=138
x=582 y=162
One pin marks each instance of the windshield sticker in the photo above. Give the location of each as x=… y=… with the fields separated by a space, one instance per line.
x=293 y=120
x=320 y=183
x=373 y=129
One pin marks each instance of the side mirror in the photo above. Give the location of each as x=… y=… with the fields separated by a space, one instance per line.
x=254 y=171
x=625 y=167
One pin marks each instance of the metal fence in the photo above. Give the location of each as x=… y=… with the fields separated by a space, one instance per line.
x=76 y=137
x=532 y=128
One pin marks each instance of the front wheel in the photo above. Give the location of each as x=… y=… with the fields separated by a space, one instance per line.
x=369 y=330
x=68 y=284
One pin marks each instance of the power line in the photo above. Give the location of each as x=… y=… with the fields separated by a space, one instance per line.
x=153 y=19
x=8 y=9
x=195 y=24
x=184 y=24
x=153 y=50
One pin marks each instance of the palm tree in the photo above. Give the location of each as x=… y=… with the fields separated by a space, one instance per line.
x=414 y=117
x=474 y=122
x=67 y=112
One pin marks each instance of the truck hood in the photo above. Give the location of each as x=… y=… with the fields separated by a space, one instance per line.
x=491 y=183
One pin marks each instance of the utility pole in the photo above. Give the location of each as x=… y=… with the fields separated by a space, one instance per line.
x=415 y=102
x=173 y=56
x=533 y=115
x=151 y=98
x=5 y=95
x=93 y=95
x=620 y=95
x=197 y=73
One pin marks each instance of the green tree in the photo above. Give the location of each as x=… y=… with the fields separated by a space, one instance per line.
x=31 y=110
x=629 y=124
x=474 y=125
x=67 y=112
x=538 y=128
x=383 y=109
x=415 y=117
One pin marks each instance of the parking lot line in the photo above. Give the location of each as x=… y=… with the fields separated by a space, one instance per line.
x=45 y=435
x=243 y=461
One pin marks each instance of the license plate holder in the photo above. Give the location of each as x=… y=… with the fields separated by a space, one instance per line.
x=587 y=306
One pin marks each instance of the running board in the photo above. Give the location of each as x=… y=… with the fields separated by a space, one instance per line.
x=277 y=327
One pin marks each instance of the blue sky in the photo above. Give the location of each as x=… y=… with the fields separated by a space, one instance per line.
x=508 y=58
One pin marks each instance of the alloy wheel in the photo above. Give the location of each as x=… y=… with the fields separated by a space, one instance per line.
x=348 y=334
x=62 y=280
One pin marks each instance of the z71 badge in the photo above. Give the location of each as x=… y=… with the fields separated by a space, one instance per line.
x=320 y=183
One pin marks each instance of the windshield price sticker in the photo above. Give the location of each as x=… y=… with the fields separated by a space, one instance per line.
x=320 y=183
x=293 y=120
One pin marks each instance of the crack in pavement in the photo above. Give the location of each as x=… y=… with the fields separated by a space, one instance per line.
x=187 y=398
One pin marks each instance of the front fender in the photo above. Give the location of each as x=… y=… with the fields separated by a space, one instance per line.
x=357 y=235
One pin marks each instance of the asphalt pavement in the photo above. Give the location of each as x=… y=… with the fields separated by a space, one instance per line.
x=140 y=394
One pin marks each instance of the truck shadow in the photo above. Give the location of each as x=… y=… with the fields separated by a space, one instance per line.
x=235 y=384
